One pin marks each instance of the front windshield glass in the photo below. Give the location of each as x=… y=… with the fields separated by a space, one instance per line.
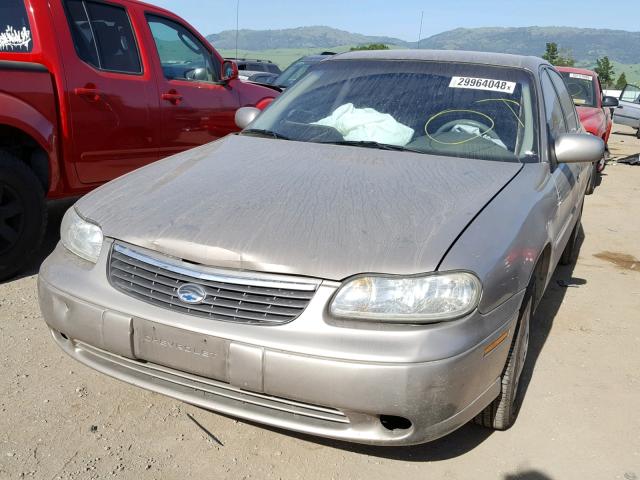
x=582 y=88
x=450 y=109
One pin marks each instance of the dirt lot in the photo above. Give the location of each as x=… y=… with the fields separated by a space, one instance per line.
x=579 y=420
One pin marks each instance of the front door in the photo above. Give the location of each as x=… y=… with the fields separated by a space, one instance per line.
x=565 y=176
x=196 y=107
x=111 y=97
x=628 y=111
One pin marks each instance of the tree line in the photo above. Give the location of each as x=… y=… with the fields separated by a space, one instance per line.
x=604 y=68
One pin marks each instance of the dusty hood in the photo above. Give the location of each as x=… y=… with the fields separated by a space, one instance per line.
x=299 y=208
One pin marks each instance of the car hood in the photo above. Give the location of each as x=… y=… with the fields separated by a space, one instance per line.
x=297 y=208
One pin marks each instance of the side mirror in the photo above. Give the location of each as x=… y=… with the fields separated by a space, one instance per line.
x=610 y=102
x=246 y=115
x=578 y=148
x=229 y=71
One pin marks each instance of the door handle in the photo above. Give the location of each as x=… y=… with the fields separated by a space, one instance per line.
x=172 y=97
x=88 y=92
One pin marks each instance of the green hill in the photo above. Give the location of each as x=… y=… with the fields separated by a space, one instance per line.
x=584 y=44
x=301 y=38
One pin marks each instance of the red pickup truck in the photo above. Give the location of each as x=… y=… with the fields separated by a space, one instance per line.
x=90 y=90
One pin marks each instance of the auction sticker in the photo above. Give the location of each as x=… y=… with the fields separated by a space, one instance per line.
x=580 y=76
x=483 y=84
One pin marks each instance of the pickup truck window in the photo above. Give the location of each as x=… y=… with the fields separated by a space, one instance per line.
x=103 y=37
x=181 y=54
x=15 y=32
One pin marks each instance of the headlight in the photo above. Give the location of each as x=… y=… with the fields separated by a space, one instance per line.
x=416 y=299
x=81 y=237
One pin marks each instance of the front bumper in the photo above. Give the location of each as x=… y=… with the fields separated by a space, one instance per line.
x=313 y=375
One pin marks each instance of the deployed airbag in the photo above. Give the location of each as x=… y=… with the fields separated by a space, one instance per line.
x=367 y=125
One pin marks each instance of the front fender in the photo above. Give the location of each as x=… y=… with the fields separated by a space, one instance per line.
x=504 y=242
x=22 y=116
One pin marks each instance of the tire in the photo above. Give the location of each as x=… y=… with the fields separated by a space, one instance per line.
x=23 y=214
x=570 y=251
x=501 y=414
x=591 y=187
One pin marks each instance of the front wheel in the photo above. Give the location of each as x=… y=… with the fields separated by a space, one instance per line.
x=593 y=179
x=22 y=214
x=570 y=253
x=501 y=414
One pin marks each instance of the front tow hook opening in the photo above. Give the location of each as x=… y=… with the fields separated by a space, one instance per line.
x=393 y=423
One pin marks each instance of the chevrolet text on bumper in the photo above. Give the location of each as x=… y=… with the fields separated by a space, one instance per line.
x=369 y=291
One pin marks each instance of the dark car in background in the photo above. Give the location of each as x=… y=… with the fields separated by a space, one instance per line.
x=299 y=68
x=250 y=67
x=628 y=111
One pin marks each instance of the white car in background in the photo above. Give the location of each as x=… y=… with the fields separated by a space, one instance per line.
x=628 y=111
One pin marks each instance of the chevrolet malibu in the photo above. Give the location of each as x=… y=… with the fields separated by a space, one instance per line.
x=361 y=262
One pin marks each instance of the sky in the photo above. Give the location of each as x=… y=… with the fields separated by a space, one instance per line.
x=400 y=18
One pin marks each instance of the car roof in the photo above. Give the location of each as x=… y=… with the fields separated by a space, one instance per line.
x=582 y=71
x=457 y=56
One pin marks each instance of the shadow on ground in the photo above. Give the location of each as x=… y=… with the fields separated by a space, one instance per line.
x=528 y=475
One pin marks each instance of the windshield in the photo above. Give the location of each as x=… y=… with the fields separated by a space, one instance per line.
x=582 y=88
x=449 y=109
x=15 y=33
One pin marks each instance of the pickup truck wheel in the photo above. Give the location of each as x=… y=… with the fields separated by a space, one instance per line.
x=501 y=414
x=22 y=214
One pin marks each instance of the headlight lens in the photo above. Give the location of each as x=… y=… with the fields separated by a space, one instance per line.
x=417 y=299
x=81 y=237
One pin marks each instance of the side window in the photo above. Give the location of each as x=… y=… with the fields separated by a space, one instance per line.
x=553 y=109
x=103 y=37
x=181 y=54
x=569 y=108
x=15 y=32
x=631 y=93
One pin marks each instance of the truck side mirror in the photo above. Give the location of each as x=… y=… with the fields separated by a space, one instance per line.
x=609 y=102
x=578 y=148
x=229 y=71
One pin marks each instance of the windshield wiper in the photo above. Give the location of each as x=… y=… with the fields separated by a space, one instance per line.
x=370 y=144
x=265 y=133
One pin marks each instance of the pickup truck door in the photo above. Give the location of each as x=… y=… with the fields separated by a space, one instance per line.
x=628 y=112
x=111 y=97
x=195 y=107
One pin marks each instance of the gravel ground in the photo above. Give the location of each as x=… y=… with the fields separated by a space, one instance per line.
x=61 y=420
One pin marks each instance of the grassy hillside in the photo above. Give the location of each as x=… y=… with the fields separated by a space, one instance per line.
x=302 y=37
x=584 y=44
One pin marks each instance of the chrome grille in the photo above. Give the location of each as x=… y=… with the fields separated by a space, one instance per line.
x=231 y=296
